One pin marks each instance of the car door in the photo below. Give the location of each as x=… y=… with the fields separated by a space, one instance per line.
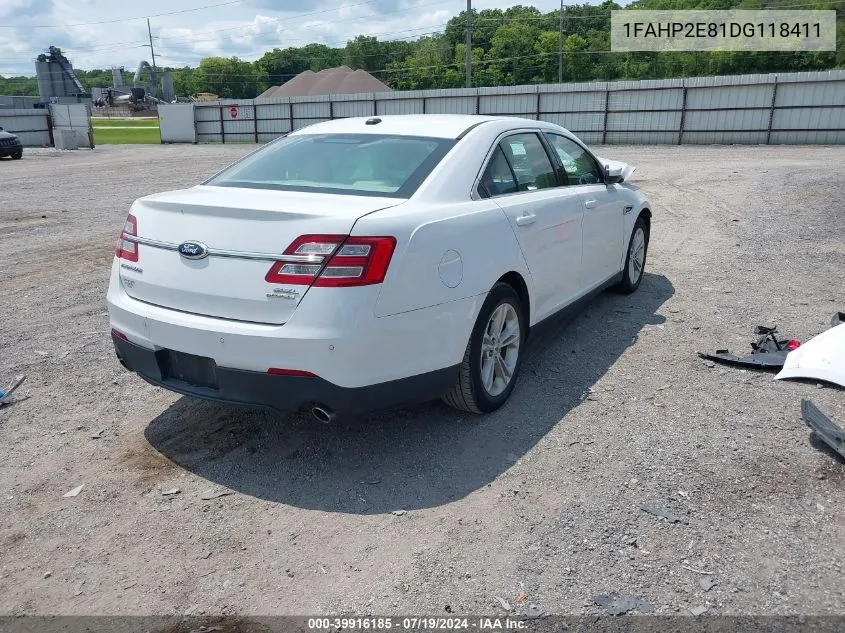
x=602 y=228
x=546 y=218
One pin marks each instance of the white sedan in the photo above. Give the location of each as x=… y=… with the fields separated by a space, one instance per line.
x=363 y=263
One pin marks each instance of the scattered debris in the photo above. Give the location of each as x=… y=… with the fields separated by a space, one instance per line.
x=830 y=433
x=707 y=583
x=47 y=574
x=75 y=491
x=768 y=351
x=661 y=512
x=399 y=513
x=521 y=598
x=208 y=495
x=130 y=585
x=172 y=491
x=371 y=482
x=98 y=434
x=697 y=571
x=503 y=603
x=206 y=555
x=683 y=493
x=820 y=358
x=614 y=604
x=699 y=610
x=532 y=612
x=4 y=395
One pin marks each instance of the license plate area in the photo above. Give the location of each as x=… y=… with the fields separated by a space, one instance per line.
x=198 y=371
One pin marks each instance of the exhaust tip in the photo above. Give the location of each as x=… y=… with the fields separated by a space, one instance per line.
x=322 y=414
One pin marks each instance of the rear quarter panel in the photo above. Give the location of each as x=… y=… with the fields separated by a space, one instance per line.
x=427 y=236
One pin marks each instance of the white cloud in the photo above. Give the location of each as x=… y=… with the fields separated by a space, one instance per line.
x=247 y=30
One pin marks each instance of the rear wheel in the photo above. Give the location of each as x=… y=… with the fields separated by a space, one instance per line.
x=632 y=275
x=17 y=155
x=493 y=355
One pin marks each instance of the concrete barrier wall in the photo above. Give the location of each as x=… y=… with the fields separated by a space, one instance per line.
x=787 y=108
x=32 y=126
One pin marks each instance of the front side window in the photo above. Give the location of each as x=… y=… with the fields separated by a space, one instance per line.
x=580 y=167
x=356 y=164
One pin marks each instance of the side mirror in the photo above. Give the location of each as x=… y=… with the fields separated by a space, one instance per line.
x=613 y=175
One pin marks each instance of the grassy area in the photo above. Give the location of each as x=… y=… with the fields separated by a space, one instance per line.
x=124 y=122
x=122 y=131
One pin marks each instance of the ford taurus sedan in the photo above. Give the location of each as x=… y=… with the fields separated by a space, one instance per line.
x=364 y=263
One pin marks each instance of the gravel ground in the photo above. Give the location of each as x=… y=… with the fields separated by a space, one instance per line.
x=538 y=503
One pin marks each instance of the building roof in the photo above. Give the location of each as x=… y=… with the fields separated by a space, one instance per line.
x=340 y=80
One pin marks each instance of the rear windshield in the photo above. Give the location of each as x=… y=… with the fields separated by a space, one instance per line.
x=357 y=164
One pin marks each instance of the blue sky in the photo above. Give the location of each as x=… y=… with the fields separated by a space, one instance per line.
x=246 y=28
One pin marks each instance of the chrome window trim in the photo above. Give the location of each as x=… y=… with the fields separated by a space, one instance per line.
x=216 y=252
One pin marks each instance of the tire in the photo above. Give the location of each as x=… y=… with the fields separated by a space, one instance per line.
x=470 y=393
x=632 y=276
x=17 y=155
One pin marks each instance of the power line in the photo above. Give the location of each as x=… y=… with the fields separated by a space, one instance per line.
x=140 y=17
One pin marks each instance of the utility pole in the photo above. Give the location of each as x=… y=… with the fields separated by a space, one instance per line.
x=560 y=48
x=153 y=54
x=469 y=43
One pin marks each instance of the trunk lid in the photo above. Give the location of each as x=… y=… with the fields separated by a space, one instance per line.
x=244 y=223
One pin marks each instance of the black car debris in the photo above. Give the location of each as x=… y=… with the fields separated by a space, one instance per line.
x=10 y=145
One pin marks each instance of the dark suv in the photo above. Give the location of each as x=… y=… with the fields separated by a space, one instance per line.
x=10 y=145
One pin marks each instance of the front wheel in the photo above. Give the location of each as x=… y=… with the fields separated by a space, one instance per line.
x=632 y=274
x=493 y=355
x=17 y=155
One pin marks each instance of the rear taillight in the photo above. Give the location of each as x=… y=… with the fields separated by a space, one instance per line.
x=119 y=335
x=334 y=261
x=127 y=249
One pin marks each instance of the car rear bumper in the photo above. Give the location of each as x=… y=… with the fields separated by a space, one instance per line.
x=287 y=393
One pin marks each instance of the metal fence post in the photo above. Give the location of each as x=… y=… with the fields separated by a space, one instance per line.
x=50 y=130
x=772 y=111
x=255 y=121
x=606 y=108
x=683 y=115
x=222 y=126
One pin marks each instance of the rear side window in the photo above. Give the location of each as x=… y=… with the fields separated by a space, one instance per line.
x=498 y=178
x=352 y=164
x=519 y=163
x=529 y=161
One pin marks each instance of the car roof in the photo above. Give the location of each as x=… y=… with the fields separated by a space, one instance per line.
x=430 y=125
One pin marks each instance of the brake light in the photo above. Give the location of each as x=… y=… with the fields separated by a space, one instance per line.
x=334 y=261
x=127 y=249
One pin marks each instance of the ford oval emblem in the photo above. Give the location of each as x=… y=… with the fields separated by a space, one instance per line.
x=193 y=250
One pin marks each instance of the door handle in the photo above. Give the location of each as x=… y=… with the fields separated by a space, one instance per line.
x=525 y=219
x=590 y=203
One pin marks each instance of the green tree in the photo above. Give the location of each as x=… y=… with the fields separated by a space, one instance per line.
x=230 y=78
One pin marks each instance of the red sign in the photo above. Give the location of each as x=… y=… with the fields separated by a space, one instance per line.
x=234 y=112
